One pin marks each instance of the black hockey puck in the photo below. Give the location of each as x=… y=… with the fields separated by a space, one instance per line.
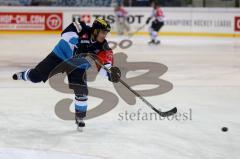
x=224 y=129
x=14 y=77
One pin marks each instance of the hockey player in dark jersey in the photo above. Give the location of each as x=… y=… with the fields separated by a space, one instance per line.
x=157 y=23
x=76 y=40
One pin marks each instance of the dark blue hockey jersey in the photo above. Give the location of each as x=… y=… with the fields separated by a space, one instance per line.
x=77 y=39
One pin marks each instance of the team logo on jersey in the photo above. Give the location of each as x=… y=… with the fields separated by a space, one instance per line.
x=84 y=36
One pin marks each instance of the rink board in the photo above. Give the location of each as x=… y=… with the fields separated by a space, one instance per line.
x=178 y=21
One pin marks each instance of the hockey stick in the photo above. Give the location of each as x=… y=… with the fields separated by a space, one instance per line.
x=136 y=31
x=163 y=114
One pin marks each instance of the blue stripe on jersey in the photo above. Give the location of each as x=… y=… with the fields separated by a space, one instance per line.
x=81 y=108
x=63 y=50
x=73 y=41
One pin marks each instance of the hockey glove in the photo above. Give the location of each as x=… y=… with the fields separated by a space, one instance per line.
x=115 y=74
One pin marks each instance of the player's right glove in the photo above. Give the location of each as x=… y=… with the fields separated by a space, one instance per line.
x=115 y=74
x=148 y=20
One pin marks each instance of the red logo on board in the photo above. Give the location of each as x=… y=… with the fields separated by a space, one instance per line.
x=237 y=23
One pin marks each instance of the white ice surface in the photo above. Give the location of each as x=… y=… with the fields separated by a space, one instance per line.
x=14 y=153
x=205 y=73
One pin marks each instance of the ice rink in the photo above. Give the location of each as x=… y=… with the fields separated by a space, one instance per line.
x=204 y=71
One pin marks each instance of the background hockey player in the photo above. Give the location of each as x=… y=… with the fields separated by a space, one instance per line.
x=76 y=40
x=157 y=23
x=121 y=19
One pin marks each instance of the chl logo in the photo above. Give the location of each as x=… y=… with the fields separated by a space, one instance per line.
x=237 y=24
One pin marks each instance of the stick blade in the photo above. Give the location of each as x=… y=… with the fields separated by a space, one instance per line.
x=168 y=113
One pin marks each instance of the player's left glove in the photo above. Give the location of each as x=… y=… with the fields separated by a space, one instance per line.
x=115 y=74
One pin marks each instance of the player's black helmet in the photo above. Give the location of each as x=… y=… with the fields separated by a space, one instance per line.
x=101 y=24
